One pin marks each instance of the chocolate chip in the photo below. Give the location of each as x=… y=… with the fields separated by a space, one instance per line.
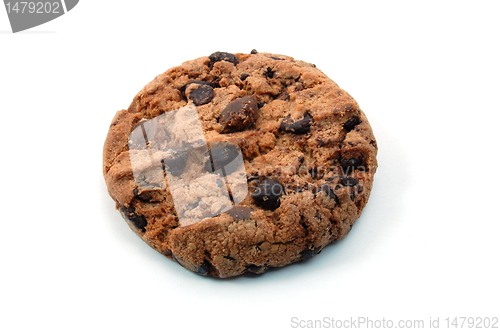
x=298 y=86
x=267 y=194
x=318 y=172
x=351 y=123
x=244 y=76
x=176 y=162
x=254 y=51
x=183 y=88
x=204 y=268
x=253 y=177
x=240 y=212
x=321 y=142
x=137 y=220
x=349 y=181
x=284 y=95
x=221 y=155
x=202 y=94
x=299 y=127
x=256 y=268
x=275 y=58
x=331 y=178
x=213 y=85
x=269 y=73
x=308 y=253
x=239 y=114
x=145 y=196
x=349 y=165
x=222 y=56
x=327 y=190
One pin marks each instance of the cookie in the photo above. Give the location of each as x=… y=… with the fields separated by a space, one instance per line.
x=234 y=163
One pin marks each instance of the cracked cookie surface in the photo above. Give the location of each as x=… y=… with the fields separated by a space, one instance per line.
x=276 y=163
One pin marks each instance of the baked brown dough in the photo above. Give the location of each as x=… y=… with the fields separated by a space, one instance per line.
x=234 y=163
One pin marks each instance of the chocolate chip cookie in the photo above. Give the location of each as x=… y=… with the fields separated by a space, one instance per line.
x=234 y=163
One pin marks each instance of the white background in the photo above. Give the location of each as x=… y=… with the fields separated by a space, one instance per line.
x=427 y=75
